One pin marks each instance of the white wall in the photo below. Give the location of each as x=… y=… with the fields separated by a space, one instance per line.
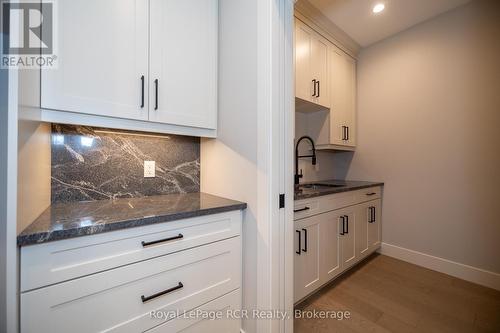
x=429 y=127
x=229 y=163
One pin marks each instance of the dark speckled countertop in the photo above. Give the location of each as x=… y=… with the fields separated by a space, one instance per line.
x=68 y=220
x=343 y=186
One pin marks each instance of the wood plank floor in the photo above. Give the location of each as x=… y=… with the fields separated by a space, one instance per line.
x=384 y=294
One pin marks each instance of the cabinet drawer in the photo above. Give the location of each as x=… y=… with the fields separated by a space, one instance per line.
x=305 y=208
x=193 y=322
x=54 y=262
x=112 y=301
x=368 y=194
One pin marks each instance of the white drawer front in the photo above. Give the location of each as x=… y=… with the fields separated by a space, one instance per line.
x=305 y=208
x=111 y=301
x=192 y=322
x=368 y=194
x=54 y=262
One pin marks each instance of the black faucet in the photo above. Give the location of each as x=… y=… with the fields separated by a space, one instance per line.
x=297 y=156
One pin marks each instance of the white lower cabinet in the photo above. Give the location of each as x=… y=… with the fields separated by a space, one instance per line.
x=347 y=219
x=125 y=298
x=374 y=217
x=307 y=256
x=330 y=242
x=192 y=322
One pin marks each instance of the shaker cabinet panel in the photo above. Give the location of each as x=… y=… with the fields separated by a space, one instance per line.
x=183 y=55
x=337 y=93
x=307 y=252
x=363 y=214
x=102 y=59
x=319 y=55
x=303 y=81
x=311 y=66
x=375 y=225
x=330 y=240
x=342 y=76
x=348 y=242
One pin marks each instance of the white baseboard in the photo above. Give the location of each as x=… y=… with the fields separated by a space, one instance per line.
x=461 y=271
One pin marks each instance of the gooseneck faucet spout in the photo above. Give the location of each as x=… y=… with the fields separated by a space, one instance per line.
x=297 y=156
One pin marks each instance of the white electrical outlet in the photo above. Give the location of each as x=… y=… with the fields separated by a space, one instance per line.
x=149 y=169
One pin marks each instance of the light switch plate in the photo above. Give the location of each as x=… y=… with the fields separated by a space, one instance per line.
x=149 y=169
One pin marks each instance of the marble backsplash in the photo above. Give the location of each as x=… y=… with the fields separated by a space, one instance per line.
x=94 y=164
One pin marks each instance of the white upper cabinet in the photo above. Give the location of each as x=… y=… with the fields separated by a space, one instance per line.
x=183 y=81
x=336 y=66
x=325 y=88
x=303 y=84
x=311 y=68
x=319 y=47
x=149 y=60
x=102 y=59
x=342 y=76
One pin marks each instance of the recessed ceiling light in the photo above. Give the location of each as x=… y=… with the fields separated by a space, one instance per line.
x=378 y=8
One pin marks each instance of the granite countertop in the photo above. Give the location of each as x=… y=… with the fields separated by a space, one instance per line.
x=344 y=186
x=68 y=220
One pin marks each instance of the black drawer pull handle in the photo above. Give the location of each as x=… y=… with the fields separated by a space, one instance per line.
x=142 y=91
x=318 y=88
x=301 y=209
x=144 y=299
x=305 y=240
x=144 y=244
x=347 y=224
x=372 y=193
x=342 y=233
x=156 y=94
x=300 y=246
x=314 y=86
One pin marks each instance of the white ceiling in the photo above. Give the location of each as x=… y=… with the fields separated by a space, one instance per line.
x=356 y=18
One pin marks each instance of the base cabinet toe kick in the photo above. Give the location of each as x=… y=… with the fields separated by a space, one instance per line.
x=124 y=286
x=334 y=233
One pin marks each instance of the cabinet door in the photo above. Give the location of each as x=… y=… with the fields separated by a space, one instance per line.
x=347 y=222
x=319 y=55
x=183 y=62
x=375 y=224
x=342 y=78
x=303 y=78
x=102 y=56
x=336 y=66
x=350 y=100
x=307 y=263
x=363 y=212
x=330 y=246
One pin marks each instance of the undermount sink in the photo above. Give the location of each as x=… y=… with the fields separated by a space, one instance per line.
x=318 y=186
